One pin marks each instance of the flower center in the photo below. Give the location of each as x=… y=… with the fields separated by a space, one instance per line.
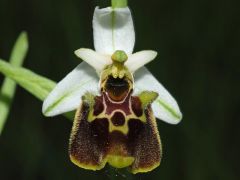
x=119 y=58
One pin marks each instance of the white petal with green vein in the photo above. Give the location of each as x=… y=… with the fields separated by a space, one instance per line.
x=165 y=106
x=113 y=30
x=66 y=96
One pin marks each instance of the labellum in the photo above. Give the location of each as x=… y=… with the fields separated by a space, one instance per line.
x=116 y=127
x=117 y=100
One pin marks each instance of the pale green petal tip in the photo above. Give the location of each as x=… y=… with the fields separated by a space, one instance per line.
x=175 y=113
x=119 y=3
x=177 y=116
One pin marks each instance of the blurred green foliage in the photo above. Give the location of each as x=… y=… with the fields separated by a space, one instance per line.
x=8 y=87
x=198 y=46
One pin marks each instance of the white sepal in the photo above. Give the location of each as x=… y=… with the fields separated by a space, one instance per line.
x=139 y=59
x=66 y=96
x=94 y=59
x=113 y=30
x=165 y=106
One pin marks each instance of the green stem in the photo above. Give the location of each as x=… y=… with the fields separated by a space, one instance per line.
x=119 y=3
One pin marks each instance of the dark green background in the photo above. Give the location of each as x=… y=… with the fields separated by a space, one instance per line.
x=198 y=62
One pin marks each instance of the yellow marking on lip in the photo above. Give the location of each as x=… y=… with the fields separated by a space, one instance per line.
x=120 y=161
x=116 y=161
x=124 y=129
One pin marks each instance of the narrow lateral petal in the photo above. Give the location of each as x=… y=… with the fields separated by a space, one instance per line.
x=94 y=59
x=139 y=59
x=165 y=106
x=66 y=96
x=113 y=30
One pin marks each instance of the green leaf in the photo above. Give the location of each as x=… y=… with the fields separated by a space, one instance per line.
x=9 y=86
x=37 y=85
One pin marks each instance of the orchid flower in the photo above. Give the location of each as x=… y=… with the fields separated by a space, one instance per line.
x=110 y=36
x=113 y=89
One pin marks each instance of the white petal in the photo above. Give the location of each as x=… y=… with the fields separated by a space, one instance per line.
x=94 y=59
x=139 y=59
x=165 y=106
x=113 y=30
x=66 y=96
